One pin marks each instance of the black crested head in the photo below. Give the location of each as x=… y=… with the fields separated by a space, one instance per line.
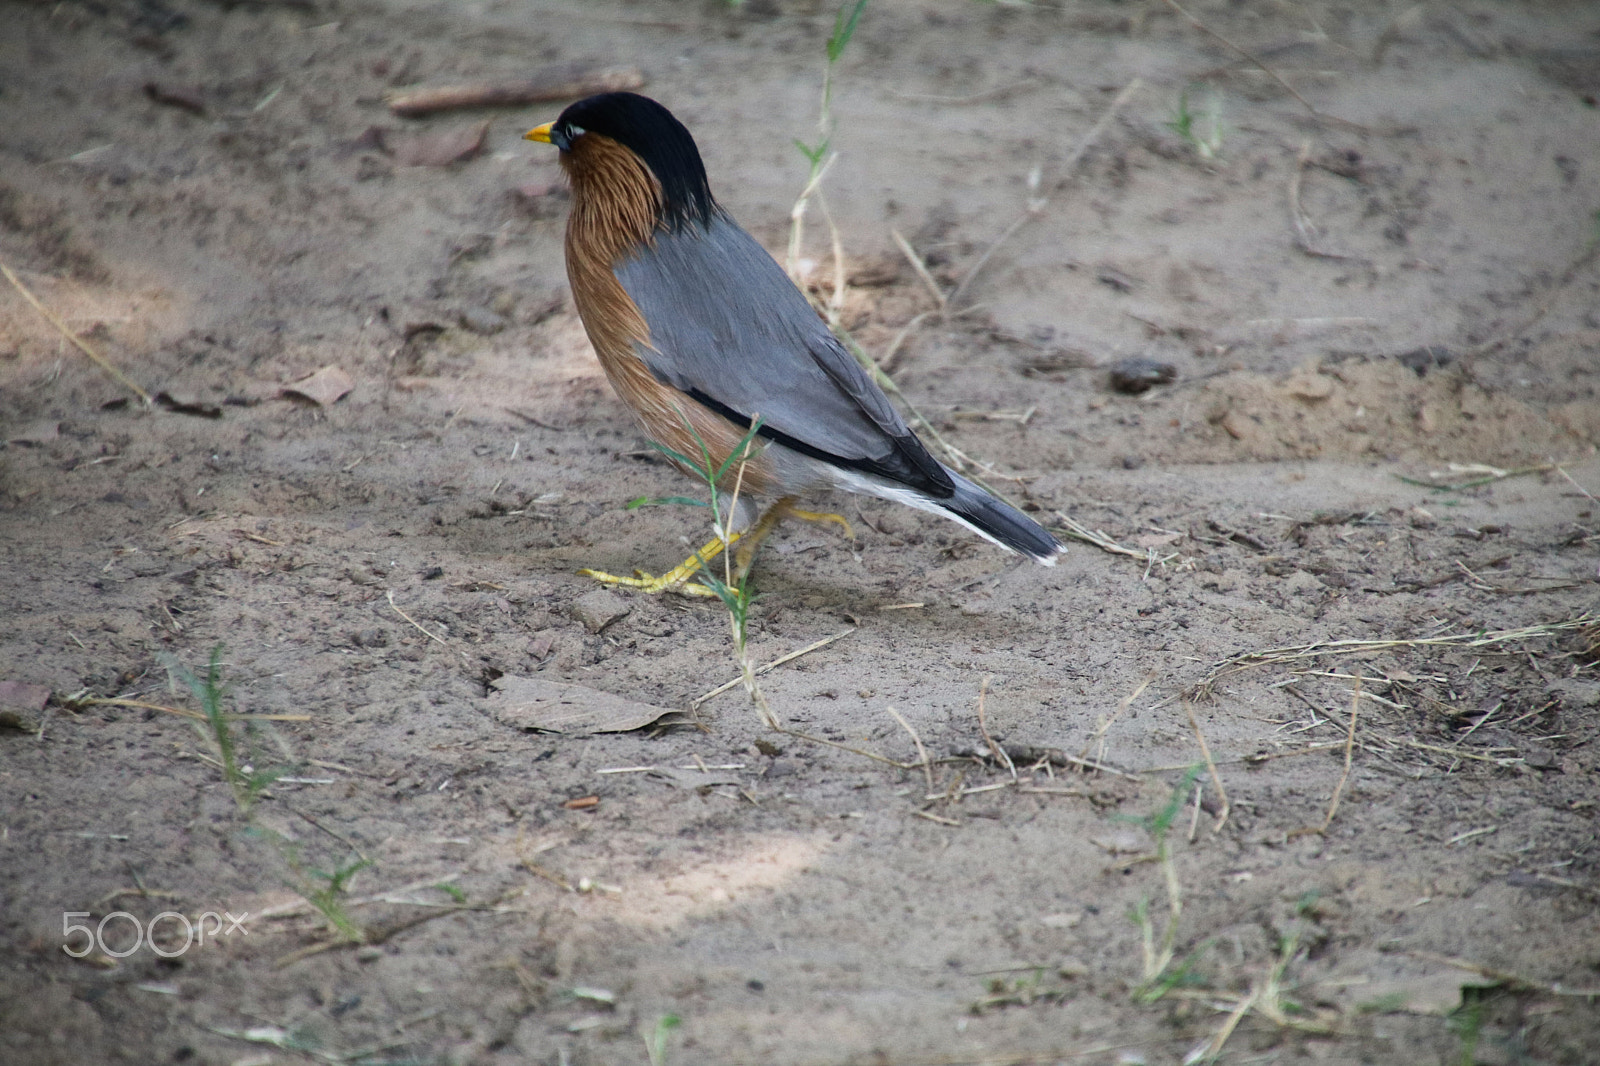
x=651 y=132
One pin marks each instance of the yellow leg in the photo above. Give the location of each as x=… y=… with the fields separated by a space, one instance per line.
x=825 y=516
x=769 y=521
x=677 y=579
x=755 y=535
x=674 y=580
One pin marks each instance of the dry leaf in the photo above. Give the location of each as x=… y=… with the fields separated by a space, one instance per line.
x=438 y=148
x=324 y=387
x=530 y=703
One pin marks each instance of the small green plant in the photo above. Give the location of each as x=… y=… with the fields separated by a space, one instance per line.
x=245 y=782
x=329 y=898
x=1158 y=977
x=1466 y=1023
x=819 y=155
x=1022 y=991
x=655 y=1041
x=733 y=587
x=1202 y=132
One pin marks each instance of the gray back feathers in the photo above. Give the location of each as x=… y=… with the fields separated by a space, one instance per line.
x=726 y=324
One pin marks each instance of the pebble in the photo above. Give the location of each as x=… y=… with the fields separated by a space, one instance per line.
x=1137 y=374
x=482 y=320
x=598 y=609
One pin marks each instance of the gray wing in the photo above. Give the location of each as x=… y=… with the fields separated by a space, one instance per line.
x=728 y=328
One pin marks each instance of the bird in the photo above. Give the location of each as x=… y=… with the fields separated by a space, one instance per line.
x=720 y=357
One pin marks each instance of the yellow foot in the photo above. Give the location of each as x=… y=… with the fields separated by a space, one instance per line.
x=674 y=580
x=826 y=516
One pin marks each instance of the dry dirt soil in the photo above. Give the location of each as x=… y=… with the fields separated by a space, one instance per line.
x=1392 y=855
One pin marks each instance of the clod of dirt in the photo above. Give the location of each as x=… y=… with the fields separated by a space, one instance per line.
x=598 y=609
x=1310 y=386
x=1138 y=374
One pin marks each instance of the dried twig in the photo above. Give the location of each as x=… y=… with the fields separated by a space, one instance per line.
x=557 y=83
x=1490 y=475
x=1077 y=531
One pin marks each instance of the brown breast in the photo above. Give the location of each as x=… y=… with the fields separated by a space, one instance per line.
x=616 y=202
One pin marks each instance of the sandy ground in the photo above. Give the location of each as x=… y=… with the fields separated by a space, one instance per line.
x=1349 y=298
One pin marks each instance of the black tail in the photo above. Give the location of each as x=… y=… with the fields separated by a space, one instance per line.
x=1000 y=522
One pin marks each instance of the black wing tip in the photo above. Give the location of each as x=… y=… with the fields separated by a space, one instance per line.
x=1003 y=523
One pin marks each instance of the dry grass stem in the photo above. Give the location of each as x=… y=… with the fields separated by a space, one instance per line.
x=78 y=342
x=182 y=712
x=797 y=217
x=922 y=752
x=1349 y=751
x=1099 y=737
x=865 y=754
x=1479 y=583
x=1037 y=206
x=1078 y=531
x=1513 y=979
x=418 y=626
x=984 y=96
x=983 y=727
x=1573 y=481
x=920 y=267
x=1305 y=231
x=1465 y=641
x=1253 y=61
x=1486 y=475
x=779 y=661
x=891 y=354
x=1211 y=768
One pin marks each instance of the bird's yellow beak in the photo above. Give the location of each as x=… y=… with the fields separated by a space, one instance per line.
x=539 y=133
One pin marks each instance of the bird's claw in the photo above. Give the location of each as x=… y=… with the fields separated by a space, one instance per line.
x=673 y=581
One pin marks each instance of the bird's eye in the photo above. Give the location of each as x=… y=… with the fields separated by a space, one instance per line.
x=574 y=131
